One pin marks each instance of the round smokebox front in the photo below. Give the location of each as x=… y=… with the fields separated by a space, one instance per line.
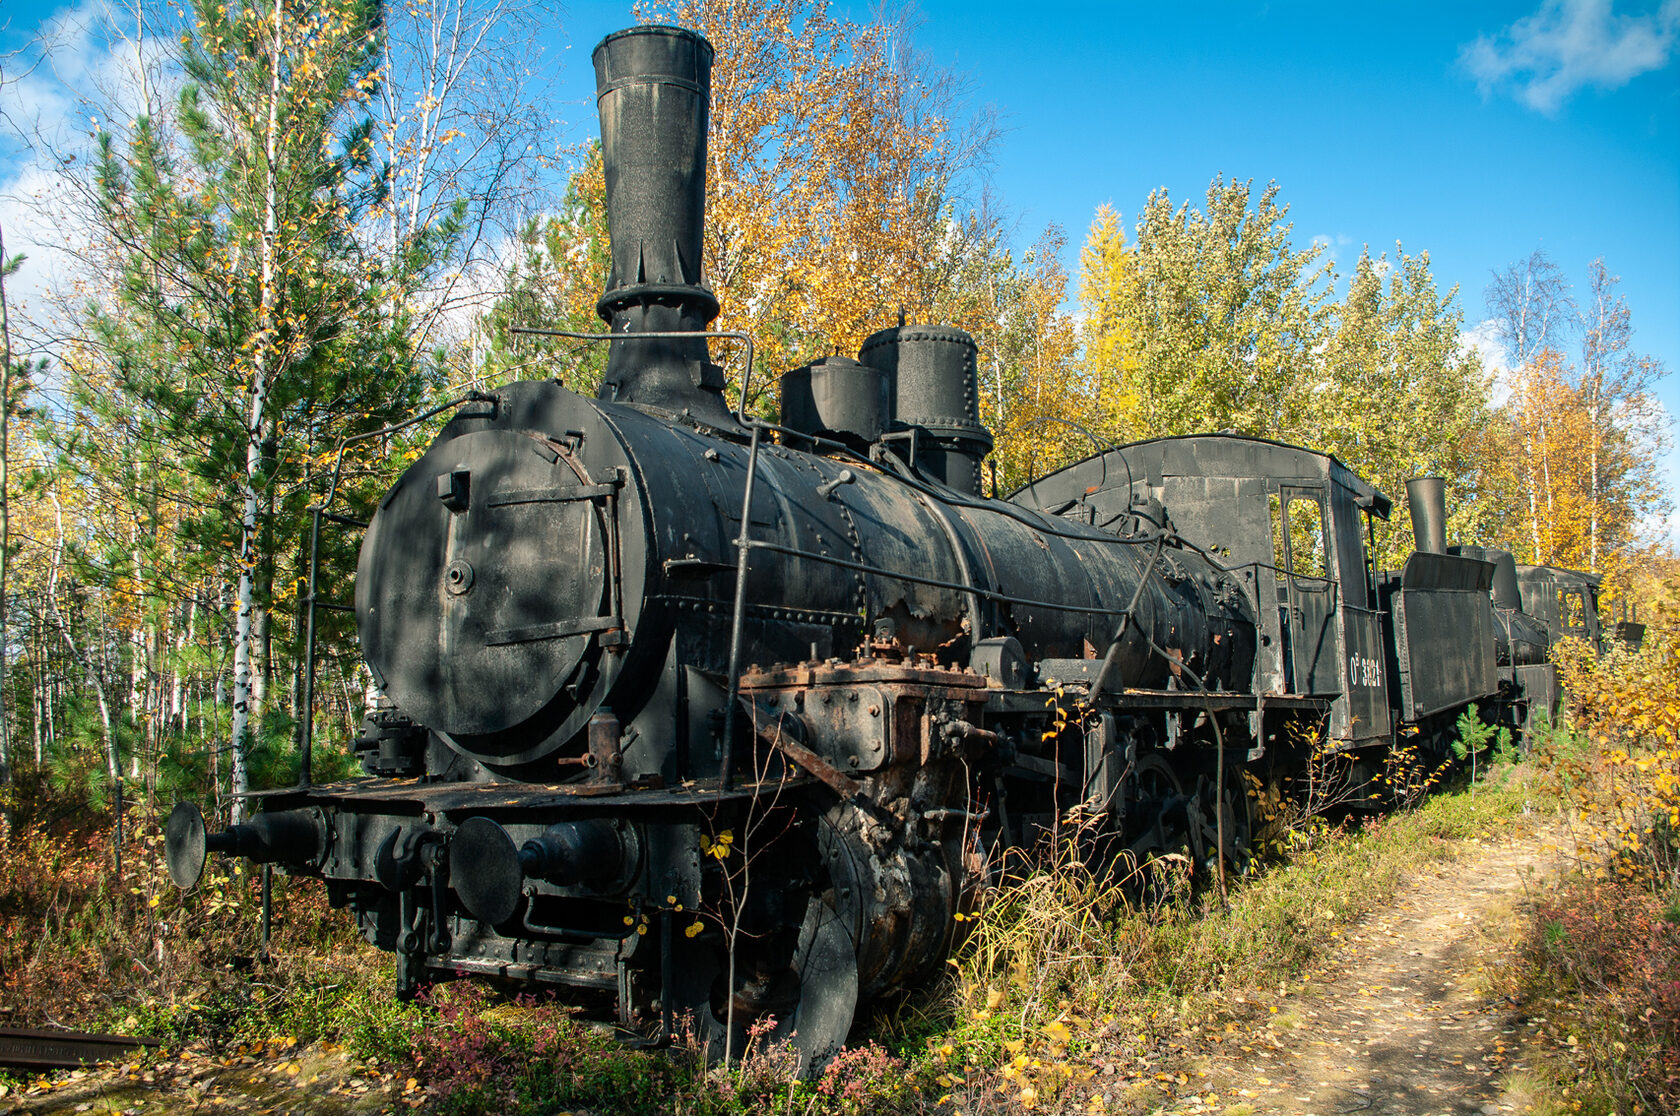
x=482 y=590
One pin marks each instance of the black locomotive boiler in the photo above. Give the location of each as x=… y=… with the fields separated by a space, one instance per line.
x=713 y=722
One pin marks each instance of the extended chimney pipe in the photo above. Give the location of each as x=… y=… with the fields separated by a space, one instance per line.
x=1427 y=499
x=653 y=90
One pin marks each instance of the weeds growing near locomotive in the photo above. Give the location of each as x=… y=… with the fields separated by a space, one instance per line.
x=1065 y=971
x=1070 y=995
x=1071 y=986
x=1296 y=806
x=1076 y=988
x=84 y=948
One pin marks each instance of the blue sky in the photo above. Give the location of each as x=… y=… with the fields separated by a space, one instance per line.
x=1476 y=132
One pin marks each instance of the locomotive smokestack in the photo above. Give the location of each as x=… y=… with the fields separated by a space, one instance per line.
x=653 y=90
x=1427 y=499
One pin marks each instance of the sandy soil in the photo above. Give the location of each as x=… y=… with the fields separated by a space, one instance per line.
x=1400 y=1020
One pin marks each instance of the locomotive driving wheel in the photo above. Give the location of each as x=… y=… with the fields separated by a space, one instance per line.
x=799 y=988
x=1157 y=826
x=1221 y=818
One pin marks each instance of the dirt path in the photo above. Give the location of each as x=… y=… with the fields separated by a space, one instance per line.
x=1399 y=1021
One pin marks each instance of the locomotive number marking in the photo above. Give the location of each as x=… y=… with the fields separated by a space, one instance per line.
x=1362 y=671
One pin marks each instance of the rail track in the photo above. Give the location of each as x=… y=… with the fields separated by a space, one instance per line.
x=39 y=1049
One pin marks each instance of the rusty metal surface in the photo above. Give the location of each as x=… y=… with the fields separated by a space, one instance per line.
x=41 y=1049
x=817 y=766
x=805 y=675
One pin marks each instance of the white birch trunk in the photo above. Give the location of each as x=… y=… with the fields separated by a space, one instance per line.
x=1592 y=561
x=1546 y=488
x=35 y=693
x=5 y=513
x=177 y=676
x=245 y=595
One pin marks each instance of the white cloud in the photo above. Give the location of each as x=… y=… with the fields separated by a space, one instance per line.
x=1331 y=247
x=33 y=203
x=1568 y=45
x=80 y=70
x=70 y=58
x=1484 y=338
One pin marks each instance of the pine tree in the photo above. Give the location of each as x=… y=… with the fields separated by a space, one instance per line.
x=249 y=328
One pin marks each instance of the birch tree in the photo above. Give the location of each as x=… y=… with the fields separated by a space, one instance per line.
x=1583 y=441
x=1396 y=396
x=1531 y=305
x=1213 y=320
x=1209 y=319
x=462 y=122
x=247 y=316
x=1031 y=377
x=1614 y=390
x=8 y=266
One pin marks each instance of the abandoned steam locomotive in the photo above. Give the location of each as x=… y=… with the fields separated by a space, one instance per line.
x=711 y=720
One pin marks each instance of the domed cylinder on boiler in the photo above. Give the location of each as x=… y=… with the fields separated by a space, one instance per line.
x=837 y=398
x=935 y=391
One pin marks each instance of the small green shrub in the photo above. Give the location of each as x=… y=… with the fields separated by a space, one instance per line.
x=1475 y=738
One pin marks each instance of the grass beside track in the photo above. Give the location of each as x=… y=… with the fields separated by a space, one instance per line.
x=1068 y=988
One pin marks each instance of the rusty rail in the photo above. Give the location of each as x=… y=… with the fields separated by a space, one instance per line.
x=30 y=1049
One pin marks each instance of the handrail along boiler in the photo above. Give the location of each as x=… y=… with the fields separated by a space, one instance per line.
x=715 y=721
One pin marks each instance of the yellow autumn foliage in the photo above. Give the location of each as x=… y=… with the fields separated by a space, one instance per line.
x=1624 y=780
x=835 y=160
x=1567 y=482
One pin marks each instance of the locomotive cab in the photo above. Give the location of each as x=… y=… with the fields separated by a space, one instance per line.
x=1565 y=601
x=1289 y=524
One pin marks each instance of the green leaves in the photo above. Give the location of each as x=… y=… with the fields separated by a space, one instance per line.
x=250 y=317
x=1208 y=319
x=1212 y=319
x=1401 y=398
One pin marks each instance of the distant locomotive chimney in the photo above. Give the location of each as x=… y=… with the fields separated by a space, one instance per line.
x=1426 y=497
x=653 y=90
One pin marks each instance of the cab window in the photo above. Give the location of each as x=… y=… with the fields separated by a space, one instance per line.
x=1298 y=535
x=1570 y=610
